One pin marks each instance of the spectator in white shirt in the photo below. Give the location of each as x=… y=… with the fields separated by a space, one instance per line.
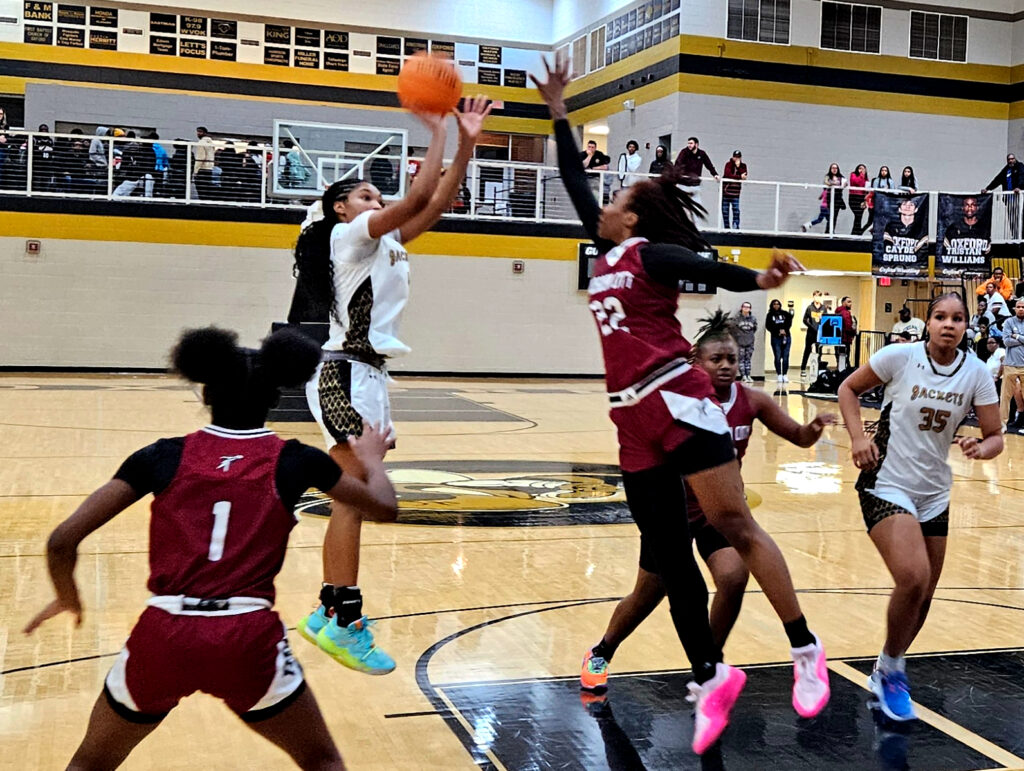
x=907 y=323
x=629 y=165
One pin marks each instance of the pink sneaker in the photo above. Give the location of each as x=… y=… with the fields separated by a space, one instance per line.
x=810 y=679
x=715 y=700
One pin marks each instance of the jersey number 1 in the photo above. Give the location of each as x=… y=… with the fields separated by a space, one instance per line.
x=221 y=512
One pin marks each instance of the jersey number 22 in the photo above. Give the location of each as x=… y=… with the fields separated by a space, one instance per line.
x=610 y=315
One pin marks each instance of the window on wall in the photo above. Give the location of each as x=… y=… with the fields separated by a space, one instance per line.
x=579 y=57
x=597 y=38
x=938 y=36
x=847 y=27
x=765 y=21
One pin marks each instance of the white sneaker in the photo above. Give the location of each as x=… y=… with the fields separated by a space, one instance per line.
x=810 y=679
x=805 y=227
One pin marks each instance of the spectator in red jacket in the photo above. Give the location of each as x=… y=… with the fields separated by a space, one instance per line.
x=689 y=165
x=849 y=332
x=735 y=172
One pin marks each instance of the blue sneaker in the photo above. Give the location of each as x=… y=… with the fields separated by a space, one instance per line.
x=353 y=646
x=893 y=692
x=310 y=626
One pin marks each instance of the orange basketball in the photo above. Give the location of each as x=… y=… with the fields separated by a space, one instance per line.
x=429 y=84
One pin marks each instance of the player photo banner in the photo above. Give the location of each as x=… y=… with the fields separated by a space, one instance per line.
x=900 y=246
x=963 y=241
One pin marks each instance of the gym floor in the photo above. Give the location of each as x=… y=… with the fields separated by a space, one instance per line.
x=512 y=547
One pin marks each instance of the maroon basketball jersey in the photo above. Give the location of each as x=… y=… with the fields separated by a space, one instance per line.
x=220 y=529
x=636 y=317
x=740 y=415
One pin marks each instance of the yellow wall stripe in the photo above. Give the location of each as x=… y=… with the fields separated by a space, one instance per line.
x=282 y=236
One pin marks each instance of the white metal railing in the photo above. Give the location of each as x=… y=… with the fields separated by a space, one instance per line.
x=242 y=174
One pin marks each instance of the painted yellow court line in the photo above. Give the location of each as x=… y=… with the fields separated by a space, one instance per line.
x=1005 y=758
x=469 y=728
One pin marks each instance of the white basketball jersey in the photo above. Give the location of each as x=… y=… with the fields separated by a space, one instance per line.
x=924 y=405
x=371 y=288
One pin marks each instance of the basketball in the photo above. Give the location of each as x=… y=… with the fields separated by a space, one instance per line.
x=429 y=84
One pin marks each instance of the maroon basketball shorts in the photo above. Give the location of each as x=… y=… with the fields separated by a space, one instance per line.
x=243 y=659
x=654 y=422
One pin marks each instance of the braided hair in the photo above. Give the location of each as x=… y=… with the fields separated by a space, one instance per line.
x=964 y=343
x=313 y=267
x=241 y=384
x=716 y=328
x=666 y=214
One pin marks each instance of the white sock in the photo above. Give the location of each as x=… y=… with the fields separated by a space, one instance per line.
x=887 y=663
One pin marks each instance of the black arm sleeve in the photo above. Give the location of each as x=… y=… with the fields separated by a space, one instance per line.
x=998 y=180
x=302 y=467
x=151 y=469
x=670 y=263
x=576 y=184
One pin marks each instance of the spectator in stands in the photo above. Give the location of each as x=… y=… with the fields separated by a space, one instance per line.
x=229 y=160
x=73 y=163
x=161 y=161
x=1003 y=285
x=994 y=362
x=735 y=172
x=177 y=172
x=811 y=321
x=132 y=170
x=4 y=141
x=744 y=331
x=858 y=197
x=382 y=173
x=883 y=181
x=849 y=334
x=908 y=327
x=593 y=159
x=629 y=165
x=99 y=151
x=204 y=153
x=1013 y=367
x=778 y=324
x=972 y=326
x=661 y=161
x=908 y=182
x=251 y=173
x=44 y=152
x=293 y=171
x=690 y=164
x=1009 y=179
x=997 y=307
x=831 y=197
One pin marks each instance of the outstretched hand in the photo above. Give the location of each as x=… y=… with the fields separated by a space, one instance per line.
x=775 y=275
x=373 y=444
x=475 y=110
x=55 y=608
x=552 y=89
x=432 y=120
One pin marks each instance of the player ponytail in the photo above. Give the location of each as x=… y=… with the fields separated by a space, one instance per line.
x=313 y=249
x=716 y=328
x=666 y=214
x=241 y=384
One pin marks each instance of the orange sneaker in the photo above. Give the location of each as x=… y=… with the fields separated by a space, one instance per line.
x=594 y=673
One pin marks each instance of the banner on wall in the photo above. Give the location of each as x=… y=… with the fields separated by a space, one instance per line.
x=964 y=238
x=900 y=246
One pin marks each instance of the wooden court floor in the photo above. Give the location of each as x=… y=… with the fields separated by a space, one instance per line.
x=509 y=555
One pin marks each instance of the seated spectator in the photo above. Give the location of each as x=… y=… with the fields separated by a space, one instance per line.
x=44 y=152
x=4 y=149
x=1003 y=285
x=909 y=327
x=972 y=325
x=997 y=308
x=229 y=161
x=293 y=171
x=994 y=360
x=73 y=164
x=134 y=169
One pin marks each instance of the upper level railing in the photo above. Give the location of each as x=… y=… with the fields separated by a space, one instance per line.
x=244 y=175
